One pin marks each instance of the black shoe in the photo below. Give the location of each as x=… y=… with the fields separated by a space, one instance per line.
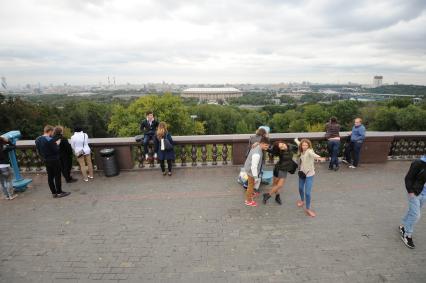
x=408 y=242
x=336 y=168
x=54 y=195
x=266 y=196
x=170 y=173
x=401 y=231
x=164 y=173
x=63 y=194
x=278 y=199
x=330 y=167
x=72 y=180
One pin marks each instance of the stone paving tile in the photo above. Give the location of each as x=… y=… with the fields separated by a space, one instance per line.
x=193 y=227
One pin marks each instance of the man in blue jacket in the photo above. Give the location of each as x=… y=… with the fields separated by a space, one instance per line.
x=357 y=139
x=149 y=128
x=415 y=184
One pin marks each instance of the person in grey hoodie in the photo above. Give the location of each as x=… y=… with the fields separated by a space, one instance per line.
x=252 y=168
x=415 y=184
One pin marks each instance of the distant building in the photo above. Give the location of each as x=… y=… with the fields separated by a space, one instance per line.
x=377 y=81
x=212 y=93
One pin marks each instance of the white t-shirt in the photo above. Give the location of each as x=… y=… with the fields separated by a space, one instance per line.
x=80 y=141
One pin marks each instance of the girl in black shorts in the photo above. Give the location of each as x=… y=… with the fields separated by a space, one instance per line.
x=284 y=165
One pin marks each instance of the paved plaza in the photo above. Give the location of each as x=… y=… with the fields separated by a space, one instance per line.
x=194 y=227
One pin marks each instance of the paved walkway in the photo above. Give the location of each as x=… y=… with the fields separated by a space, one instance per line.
x=193 y=227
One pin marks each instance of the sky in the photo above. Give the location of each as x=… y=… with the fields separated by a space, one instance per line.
x=221 y=41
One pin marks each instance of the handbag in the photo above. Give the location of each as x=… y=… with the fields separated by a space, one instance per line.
x=301 y=174
x=293 y=167
x=167 y=144
x=80 y=153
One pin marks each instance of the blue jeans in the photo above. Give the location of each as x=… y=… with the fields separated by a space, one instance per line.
x=355 y=148
x=415 y=205
x=305 y=189
x=146 y=139
x=333 y=150
x=5 y=180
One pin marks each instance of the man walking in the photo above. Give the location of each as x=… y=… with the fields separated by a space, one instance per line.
x=48 y=149
x=415 y=184
x=357 y=139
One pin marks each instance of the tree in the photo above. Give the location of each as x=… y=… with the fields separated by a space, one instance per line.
x=242 y=128
x=385 y=119
x=411 y=118
x=345 y=112
x=315 y=113
x=125 y=121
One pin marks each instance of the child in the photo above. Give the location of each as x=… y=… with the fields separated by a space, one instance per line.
x=252 y=167
x=307 y=158
x=285 y=164
x=164 y=148
x=5 y=174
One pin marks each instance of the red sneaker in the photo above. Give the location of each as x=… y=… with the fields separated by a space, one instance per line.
x=256 y=194
x=251 y=203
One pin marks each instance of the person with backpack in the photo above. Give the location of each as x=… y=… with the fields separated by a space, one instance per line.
x=284 y=165
x=332 y=134
x=306 y=157
x=252 y=167
x=164 y=148
x=5 y=172
x=149 y=128
x=48 y=148
x=415 y=184
x=80 y=145
x=65 y=154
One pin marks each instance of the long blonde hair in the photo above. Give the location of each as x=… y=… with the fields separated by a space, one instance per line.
x=308 y=142
x=162 y=130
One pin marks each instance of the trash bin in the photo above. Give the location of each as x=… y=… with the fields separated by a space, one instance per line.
x=109 y=162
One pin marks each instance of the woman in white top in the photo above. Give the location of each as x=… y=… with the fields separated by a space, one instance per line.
x=80 y=145
x=307 y=158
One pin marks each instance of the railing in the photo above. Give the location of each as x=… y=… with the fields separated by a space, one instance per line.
x=223 y=150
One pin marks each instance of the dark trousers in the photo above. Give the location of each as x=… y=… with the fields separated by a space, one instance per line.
x=333 y=150
x=53 y=168
x=146 y=139
x=355 y=149
x=66 y=165
x=163 y=165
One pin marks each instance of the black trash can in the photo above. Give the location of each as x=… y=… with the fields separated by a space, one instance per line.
x=109 y=162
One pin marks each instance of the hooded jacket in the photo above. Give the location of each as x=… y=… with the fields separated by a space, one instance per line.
x=416 y=176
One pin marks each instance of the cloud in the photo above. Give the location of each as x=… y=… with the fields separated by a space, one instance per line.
x=55 y=41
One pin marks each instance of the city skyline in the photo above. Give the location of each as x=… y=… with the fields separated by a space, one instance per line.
x=189 y=42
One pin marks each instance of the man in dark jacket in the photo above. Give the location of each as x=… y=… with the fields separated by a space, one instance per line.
x=415 y=184
x=48 y=149
x=65 y=155
x=149 y=128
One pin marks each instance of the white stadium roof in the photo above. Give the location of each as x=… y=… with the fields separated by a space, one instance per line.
x=211 y=90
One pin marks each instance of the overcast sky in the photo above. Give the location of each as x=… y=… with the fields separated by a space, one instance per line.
x=221 y=41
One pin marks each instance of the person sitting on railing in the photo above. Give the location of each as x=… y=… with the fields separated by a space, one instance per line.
x=357 y=139
x=163 y=144
x=284 y=165
x=252 y=167
x=48 y=149
x=80 y=145
x=149 y=128
x=5 y=172
x=415 y=183
x=65 y=153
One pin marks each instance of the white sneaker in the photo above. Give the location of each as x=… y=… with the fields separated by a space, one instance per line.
x=90 y=177
x=146 y=156
x=12 y=197
x=155 y=156
x=352 y=167
x=86 y=180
